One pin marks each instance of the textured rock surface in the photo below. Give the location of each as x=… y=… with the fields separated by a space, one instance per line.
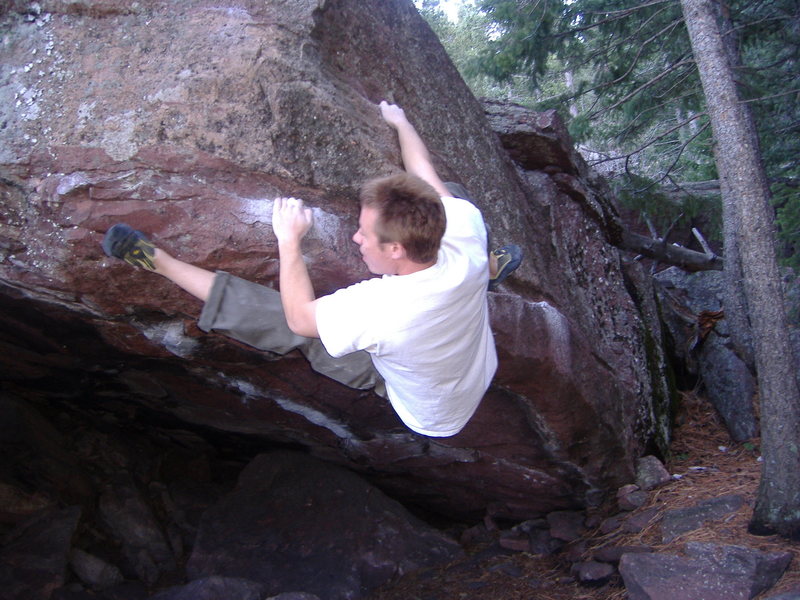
x=185 y=120
x=708 y=572
x=34 y=556
x=295 y=523
x=702 y=341
x=217 y=588
x=158 y=498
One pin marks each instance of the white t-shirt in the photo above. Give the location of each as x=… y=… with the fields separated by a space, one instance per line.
x=428 y=332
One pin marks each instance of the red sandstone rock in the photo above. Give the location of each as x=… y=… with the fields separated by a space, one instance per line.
x=186 y=119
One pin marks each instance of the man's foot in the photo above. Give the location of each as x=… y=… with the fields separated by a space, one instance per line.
x=508 y=259
x=122 y=241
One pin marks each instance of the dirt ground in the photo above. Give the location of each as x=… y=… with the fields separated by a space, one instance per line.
x=709 y=465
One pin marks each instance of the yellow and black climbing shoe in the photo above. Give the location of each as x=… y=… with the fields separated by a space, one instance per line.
x=122 y=241
x=508 y=259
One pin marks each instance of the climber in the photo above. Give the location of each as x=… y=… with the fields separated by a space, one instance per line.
x=419 y=335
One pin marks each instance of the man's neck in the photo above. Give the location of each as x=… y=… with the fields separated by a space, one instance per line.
x=407 y=267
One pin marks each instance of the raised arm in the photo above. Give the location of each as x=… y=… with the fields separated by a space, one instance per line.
x=416 y=158
x=290 y=222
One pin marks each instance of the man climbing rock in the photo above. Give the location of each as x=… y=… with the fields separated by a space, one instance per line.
x=419 y=334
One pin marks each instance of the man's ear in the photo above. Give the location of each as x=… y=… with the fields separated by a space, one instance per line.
x=397 y=250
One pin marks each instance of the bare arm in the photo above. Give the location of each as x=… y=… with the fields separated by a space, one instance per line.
x=416 y=158
x=290 y=222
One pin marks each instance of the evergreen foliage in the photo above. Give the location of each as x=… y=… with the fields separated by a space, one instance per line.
x=621 y=73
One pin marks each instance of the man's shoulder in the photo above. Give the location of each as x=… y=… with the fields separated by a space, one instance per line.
x=356 y=307
x=451 y=202
x=458 y=209
x=361 y=289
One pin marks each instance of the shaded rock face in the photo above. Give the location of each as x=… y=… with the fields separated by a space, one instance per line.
x=186 y=120
x=151 y=506
x=702 y=343
x=33 y=557
x=708 y=571
x=276 y=529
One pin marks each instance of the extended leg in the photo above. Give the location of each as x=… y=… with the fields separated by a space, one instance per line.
x=122 y=241
x=243 y=310
x=195 y=280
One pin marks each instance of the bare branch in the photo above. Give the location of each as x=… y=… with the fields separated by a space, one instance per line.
x=615 y=15
x=772 y=96
x=672 y=254
x=672 y=226
x=652 y=141
x=651 y=227
x=677 y=156
x=703 y=243
x=648 y=84
x=642 y=45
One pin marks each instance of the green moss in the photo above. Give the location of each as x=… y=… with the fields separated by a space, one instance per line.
x=665 y=399
x=662 y=378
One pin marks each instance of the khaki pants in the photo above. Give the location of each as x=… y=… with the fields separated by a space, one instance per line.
x=253 y=314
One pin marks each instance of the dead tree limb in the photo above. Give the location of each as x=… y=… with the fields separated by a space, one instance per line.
x=669 y=253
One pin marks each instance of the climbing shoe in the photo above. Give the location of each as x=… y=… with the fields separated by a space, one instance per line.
x=122 y=241
x=508 y=259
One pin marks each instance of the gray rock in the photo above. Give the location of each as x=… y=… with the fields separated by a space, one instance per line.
x=678 y=521
x=296 y=523
x=763 y=569
x=593 y=572
x=215 y=588
x=543 y=542
x=131 y=519
x=537 y=533
x=630 y=497
x=710 y=572
x=730 y=387
x=651 y=473
x=94 y=571
x=34 y=555
x=566 y=525
x=613 y=554
x=640 y=520
x=728 y=383
x=612 y=523
x=518 y=541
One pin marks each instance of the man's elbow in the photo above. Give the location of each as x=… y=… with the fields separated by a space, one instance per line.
x=303 y=324
x=304 y=330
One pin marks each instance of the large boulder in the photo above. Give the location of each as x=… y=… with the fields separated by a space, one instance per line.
x=185 y=120
x=34 y=555
x=707 y=572
x=294 y=523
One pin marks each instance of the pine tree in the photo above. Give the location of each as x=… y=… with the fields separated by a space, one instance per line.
x=621 y=73
x=637 y=86
x=746 y=198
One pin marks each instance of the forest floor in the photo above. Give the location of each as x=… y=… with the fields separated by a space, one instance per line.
x=709 y=464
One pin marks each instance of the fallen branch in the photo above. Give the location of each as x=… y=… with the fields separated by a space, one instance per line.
x=669 y=253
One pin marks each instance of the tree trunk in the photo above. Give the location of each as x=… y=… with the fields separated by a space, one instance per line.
x=746 y=199
x=736 y=311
